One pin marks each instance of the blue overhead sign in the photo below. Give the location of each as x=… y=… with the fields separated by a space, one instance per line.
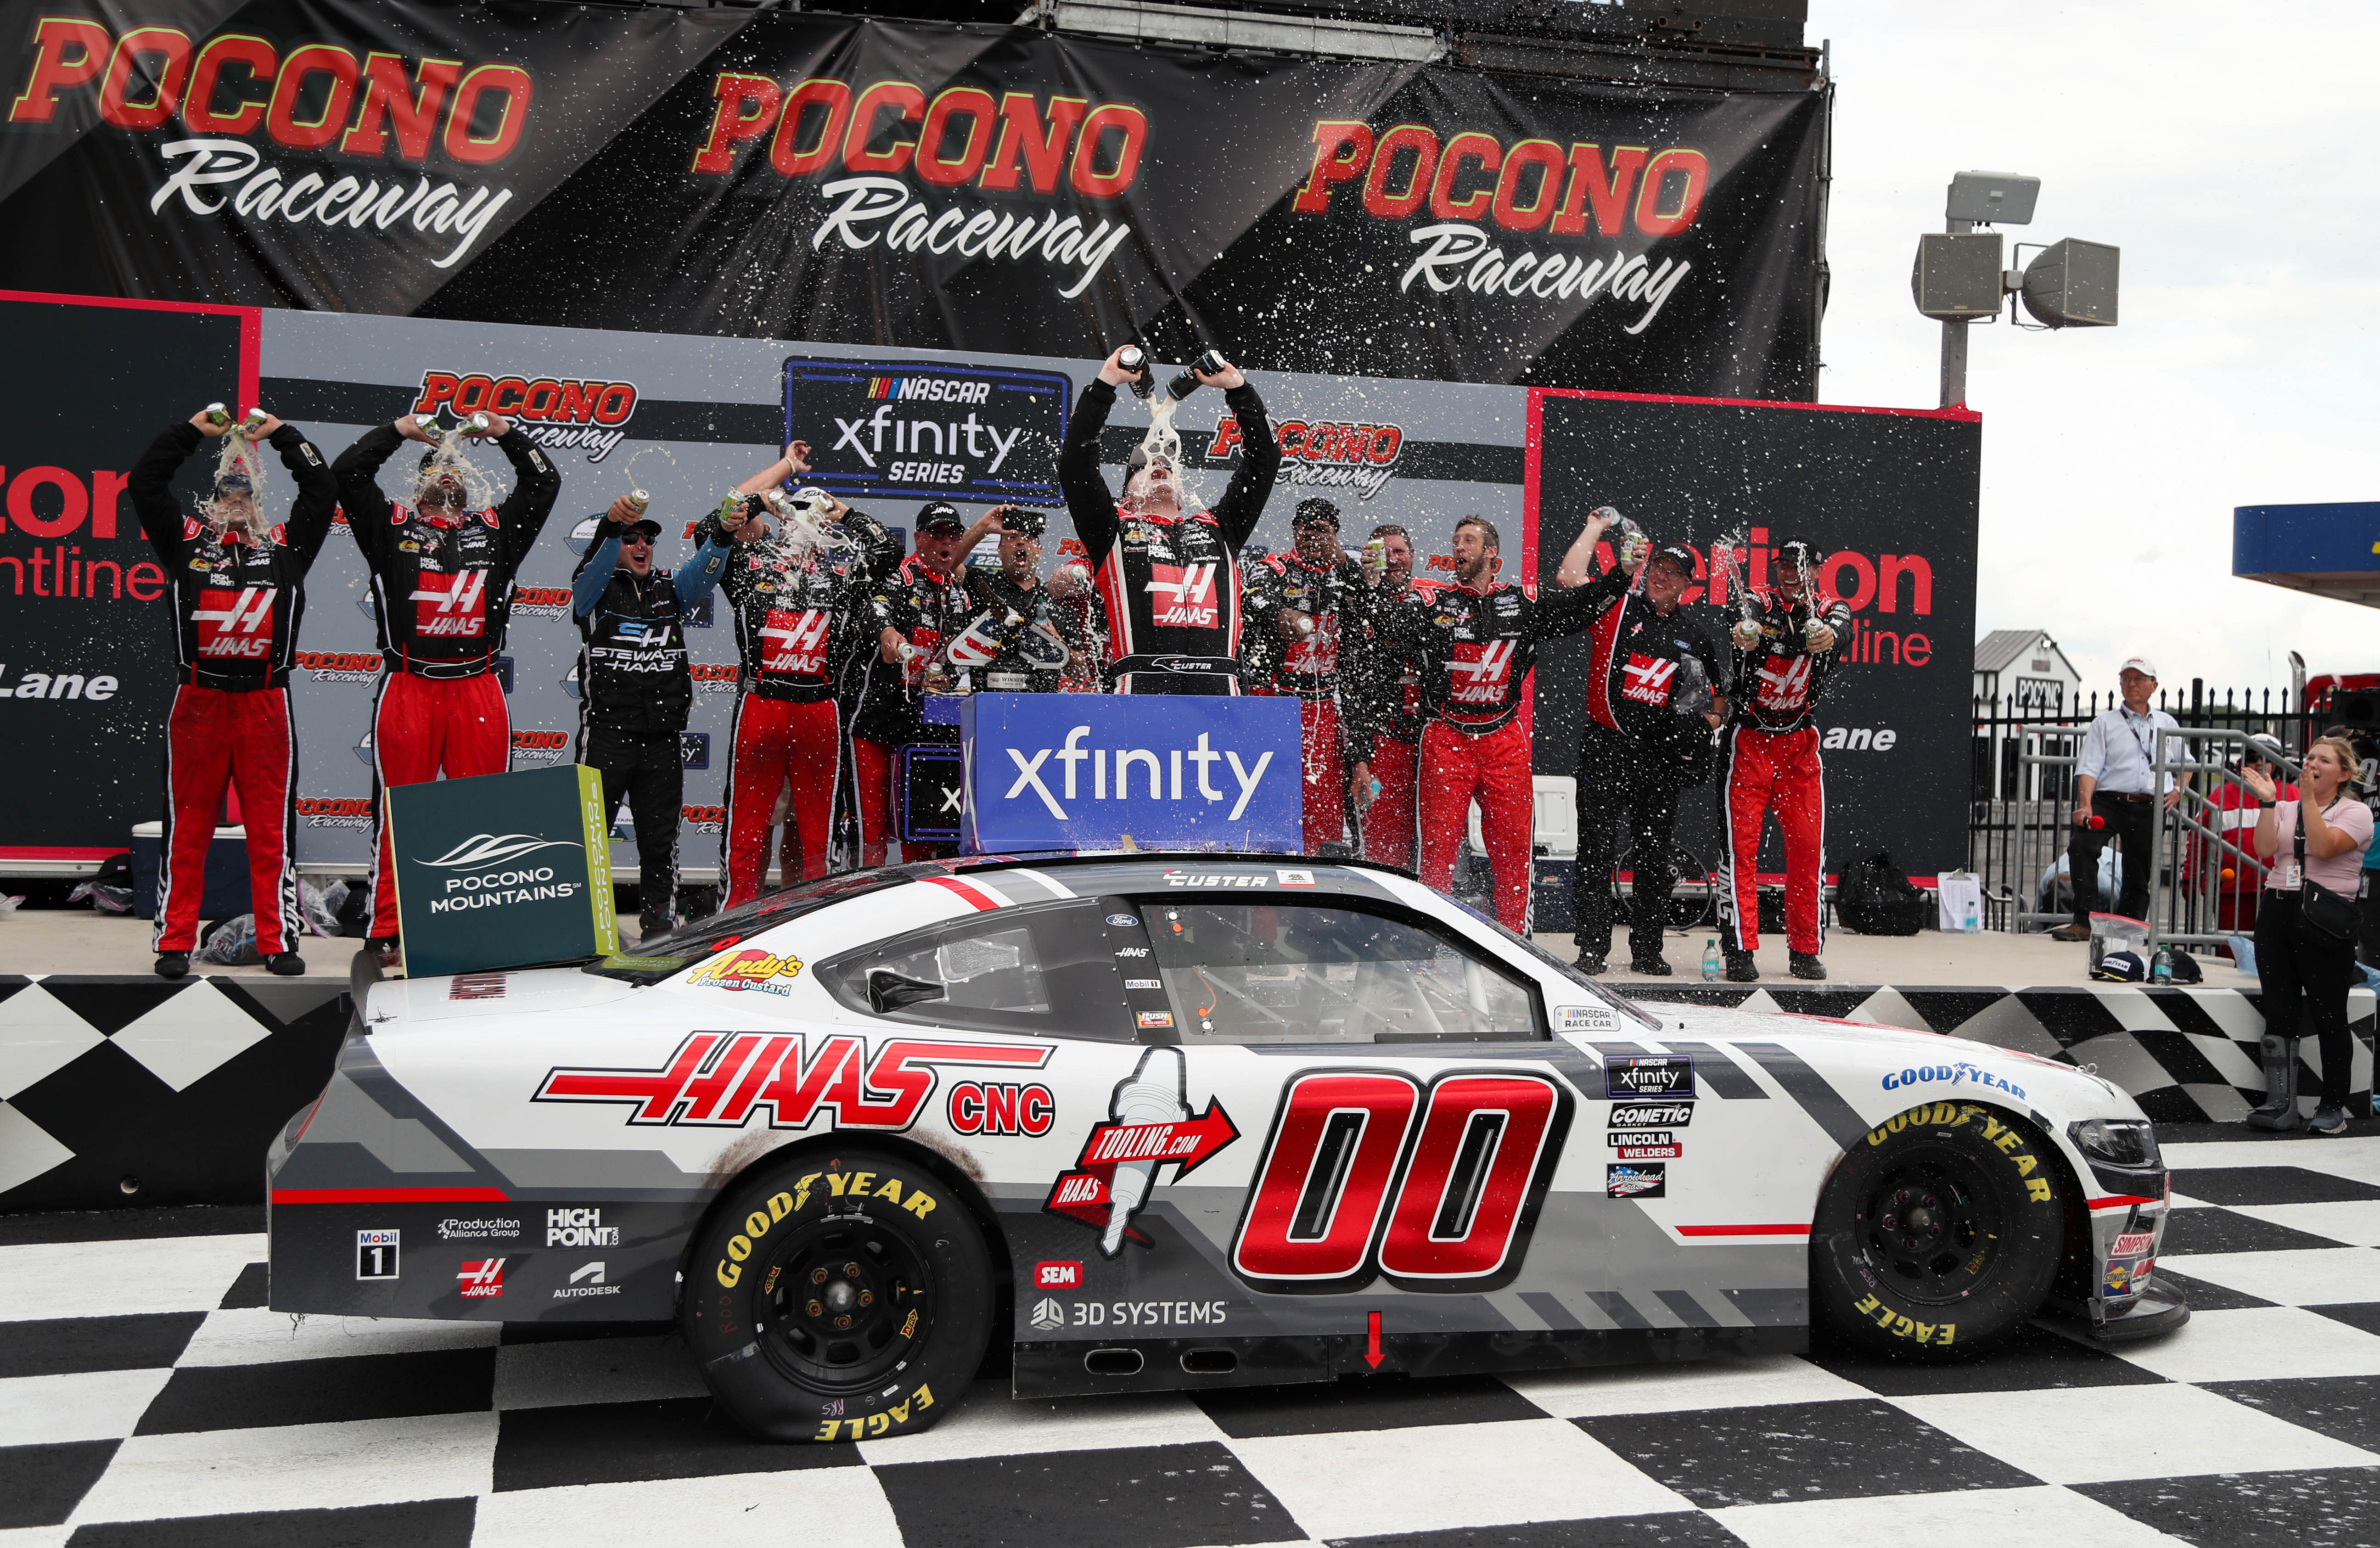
x=1048 y=771
x=2327 y=551
x=912 y=428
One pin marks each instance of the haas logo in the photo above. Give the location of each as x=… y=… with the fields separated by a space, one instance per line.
x=1784 y=682
x=1480 y=673
x=1184 y=593
x=451 y=607
x=795 y=642
x=240 y=628
x=1648 y=679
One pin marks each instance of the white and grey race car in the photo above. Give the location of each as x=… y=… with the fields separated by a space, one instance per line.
x=1182 y=1122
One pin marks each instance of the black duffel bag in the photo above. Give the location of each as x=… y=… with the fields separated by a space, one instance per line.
x=1872 y=897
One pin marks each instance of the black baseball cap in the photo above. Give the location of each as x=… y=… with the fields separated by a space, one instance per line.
x=1677 y=554
x=938 y=515
x=1313 y=513
x=645 y=525
x=1024 y=522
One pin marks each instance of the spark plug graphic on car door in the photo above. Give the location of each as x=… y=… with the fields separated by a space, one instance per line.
x=1150 y=1127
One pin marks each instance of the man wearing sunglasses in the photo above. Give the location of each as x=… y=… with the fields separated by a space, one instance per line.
x=442 y=586
x=637 y=688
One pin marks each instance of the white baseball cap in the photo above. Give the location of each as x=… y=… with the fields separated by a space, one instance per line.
x=2141 y=664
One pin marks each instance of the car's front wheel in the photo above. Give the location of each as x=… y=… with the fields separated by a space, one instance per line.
x=1939 y=1233
x=839 y=1299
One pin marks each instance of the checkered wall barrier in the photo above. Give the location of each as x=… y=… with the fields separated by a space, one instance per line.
x=176 y=1089
x=141 y=1091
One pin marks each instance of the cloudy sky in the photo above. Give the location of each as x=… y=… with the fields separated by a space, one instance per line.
x=2231 y=153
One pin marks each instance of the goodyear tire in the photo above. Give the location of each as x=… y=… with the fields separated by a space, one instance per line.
x=1938 y=1234
x=838 y=1300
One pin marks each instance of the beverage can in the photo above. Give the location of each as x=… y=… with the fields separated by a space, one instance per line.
x=216 y=414
x=479 y=424
x=255 y=421
x=1376 y=553
x=640 y=499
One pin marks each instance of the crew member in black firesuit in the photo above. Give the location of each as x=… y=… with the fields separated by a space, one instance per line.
x=1169 y=576
x=1019 y=638
x=442 y=586
x=797 y=592
x=1311 y=605
x=238 y=595
x=912 y=617
x=1384 y=745
x=1784 y=643
x=637 y=687
x=1650 y=711
x=1476 y=642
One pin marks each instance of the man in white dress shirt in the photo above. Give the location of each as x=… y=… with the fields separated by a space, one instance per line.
x=2116 y=781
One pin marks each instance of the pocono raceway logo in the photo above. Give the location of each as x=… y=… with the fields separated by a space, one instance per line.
x=1359 y=457
x=203 y=104
x=884 y=134
x=558 y=414
x=542 y=602
x=532 y=749
x=340 y=666
x=335 y=811
x=1162 y=777
x=1475 y=187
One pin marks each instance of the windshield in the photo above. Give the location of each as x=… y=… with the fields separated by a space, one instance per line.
x=649 y=961
x=1618 y=1001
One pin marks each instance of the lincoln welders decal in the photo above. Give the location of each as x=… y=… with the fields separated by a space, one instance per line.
x=1150 y=1127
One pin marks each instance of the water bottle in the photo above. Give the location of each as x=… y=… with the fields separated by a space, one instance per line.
x=1972 y=924
x=1713 y=968
x=2161 y=967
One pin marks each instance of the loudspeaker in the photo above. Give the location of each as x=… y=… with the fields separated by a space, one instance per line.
x=1957 y=276
x=2072 y=284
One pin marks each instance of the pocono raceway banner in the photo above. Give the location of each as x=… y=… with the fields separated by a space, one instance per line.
x=990 y=190
x=1890 y=496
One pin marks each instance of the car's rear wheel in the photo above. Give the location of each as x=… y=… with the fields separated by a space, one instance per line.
x=839 y=1299
x=1938 y=1234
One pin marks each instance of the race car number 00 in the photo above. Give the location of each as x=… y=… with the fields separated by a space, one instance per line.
x=1457 y=1201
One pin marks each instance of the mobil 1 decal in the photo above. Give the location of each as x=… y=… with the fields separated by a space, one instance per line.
x=917 y=429
x=1148 y=1128
x=1367 y=1173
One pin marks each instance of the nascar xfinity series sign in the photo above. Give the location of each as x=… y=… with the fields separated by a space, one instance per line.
x=908 y=429
x=1048 y=771
x=504 y=869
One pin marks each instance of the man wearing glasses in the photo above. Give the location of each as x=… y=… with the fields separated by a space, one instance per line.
x=637 y=686
x=442 y=586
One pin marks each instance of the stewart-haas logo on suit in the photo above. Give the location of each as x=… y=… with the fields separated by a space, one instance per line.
x=717 y=1079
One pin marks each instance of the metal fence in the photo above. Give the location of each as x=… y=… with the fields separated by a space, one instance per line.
x=2022 y=799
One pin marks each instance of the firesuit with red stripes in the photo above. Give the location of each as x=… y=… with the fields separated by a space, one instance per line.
x=794 y=618
x=1389 y=722
x=1171 y=582
x=928 y=609
x=442 y=588
x=1768 y=761
x=237 y=602
x=1318 y=665
x=1475 y=652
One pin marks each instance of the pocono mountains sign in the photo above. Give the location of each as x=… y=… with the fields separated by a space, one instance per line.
x=801 y=175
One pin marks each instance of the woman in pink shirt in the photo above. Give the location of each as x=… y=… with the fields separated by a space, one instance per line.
x=2301 y=963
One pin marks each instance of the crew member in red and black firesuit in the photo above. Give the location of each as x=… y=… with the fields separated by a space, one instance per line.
x=238 y=595
x=797 y=593
x=1768 y=759
x=912 y=617
x=1169 y=576
x=442 y=586
x=637 y=686
x=1311 y=604
x=1020 y=637
x=1652 y=677
x=1383 y=743
x=1476 y=642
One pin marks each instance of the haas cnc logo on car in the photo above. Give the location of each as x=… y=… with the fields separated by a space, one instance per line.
x=718 y=1080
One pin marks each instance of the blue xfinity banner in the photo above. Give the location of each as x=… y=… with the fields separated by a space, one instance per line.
x=912 y=431
x=1090 y=771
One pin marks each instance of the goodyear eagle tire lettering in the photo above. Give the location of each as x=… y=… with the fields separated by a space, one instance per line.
x=1938 y=1234
x=838 y=1300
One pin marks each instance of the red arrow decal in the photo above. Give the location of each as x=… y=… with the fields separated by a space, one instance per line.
x=1372 y=1344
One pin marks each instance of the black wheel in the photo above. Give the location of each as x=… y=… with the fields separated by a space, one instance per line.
x=838 y=1300
x=1939 y=1233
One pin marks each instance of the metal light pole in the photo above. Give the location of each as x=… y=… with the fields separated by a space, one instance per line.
x=1954 y=340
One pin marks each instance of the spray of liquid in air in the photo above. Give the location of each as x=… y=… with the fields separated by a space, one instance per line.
x=449 y=462
x=239 y=457
x=637 y=491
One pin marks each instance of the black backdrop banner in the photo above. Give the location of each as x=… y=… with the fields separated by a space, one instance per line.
x=859 y=181
x=1888 y=495
x=86 y=629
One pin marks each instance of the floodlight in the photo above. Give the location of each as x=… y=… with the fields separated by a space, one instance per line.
x=1997 y=197
x=1957 y=277
x=2072 y=284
